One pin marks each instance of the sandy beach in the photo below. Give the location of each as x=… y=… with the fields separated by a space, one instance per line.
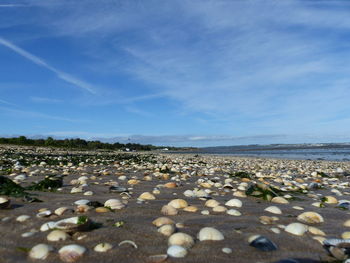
x=321 y=187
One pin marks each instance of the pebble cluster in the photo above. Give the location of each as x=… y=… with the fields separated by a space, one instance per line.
x=172 y=208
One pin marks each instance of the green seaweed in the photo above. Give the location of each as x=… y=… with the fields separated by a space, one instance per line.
x=241 y=175
x=82 y=220
x=10 y=188
x=23 y=249
x=50 y=183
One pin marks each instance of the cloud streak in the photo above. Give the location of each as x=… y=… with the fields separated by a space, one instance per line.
x=40 y=62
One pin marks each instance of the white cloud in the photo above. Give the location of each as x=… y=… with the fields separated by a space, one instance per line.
x=60 y=74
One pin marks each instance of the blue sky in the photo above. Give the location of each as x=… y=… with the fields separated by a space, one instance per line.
x=176 y=72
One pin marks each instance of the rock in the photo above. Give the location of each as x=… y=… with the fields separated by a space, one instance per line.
x=147 y=196
x=310 y=218
x=57 y=235
x=234 y=203
x=169 y=210
x=103 y=247
x=210 y=233
x=273 y=210
x=162 y=221
x=279 y=200
x=176 y=251
x=181 y=239
x=166 y=230
x=71 y=253
x=40 y=251
x=178 y=203
x=114 y=204
x=262 y=243
x=297 y=229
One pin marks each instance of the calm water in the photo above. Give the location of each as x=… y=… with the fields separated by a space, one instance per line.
x=331 y=154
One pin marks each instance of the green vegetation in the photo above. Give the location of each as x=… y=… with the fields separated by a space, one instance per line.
x=82 y=220
x=79 y=144
x=241 y=175
x=50 y=183
x=10 y=188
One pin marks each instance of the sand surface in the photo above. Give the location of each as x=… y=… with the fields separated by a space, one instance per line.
x=138 y=216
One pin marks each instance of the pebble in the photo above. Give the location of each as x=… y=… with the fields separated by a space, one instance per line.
x=226 y=250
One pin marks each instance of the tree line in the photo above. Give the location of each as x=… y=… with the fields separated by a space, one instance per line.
x=78 y=143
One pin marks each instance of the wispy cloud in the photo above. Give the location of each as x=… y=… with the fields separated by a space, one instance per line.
x=7 y=103
x=45 y=100
x=39 y=61
x=40 y=115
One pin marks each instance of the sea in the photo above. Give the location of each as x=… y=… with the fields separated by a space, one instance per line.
x=329 y=152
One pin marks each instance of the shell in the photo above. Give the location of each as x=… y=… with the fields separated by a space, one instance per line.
x=181 y=239
x=103 y=247
x=169 y=210
x=47 y=226
x=279 y=200
x=166 y=230
x=71 y=253
x=210 y=233
x=191 y=208
x=128 y=242
x=297 y=229
x=178 y=203
x=176 y=251
x=162 y=221
x=219 y=209
x=57 y=235
x=212 y=203
x=310 y=218
x=61 y=210
x=114 y=204
x=233 y=212
x=40 y=251
x=157 y=258
x=72 y=224
x=234 y=203
x=262 y=243
x=4 y=202
x=147 y=196
x=273 y=210
x=22 y=218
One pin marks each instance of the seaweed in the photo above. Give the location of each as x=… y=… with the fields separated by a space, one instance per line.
x=10 y=188
x=82 y=220
x=50 y=183
x=241 y=175
x=262 y=191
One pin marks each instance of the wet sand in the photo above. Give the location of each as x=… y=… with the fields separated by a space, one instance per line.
x=138 y=216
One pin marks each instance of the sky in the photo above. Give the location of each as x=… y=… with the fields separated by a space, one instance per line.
x=184 y=73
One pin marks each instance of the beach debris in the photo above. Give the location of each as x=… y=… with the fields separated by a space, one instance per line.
x=130 y=242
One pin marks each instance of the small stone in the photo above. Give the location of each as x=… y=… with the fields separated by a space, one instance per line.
x=103 y=247
x=176 y=251
x=210 y=233
x=40 y=251
x=226 y=250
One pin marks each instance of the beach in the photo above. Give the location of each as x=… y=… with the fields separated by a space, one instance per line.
x=205 y=183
